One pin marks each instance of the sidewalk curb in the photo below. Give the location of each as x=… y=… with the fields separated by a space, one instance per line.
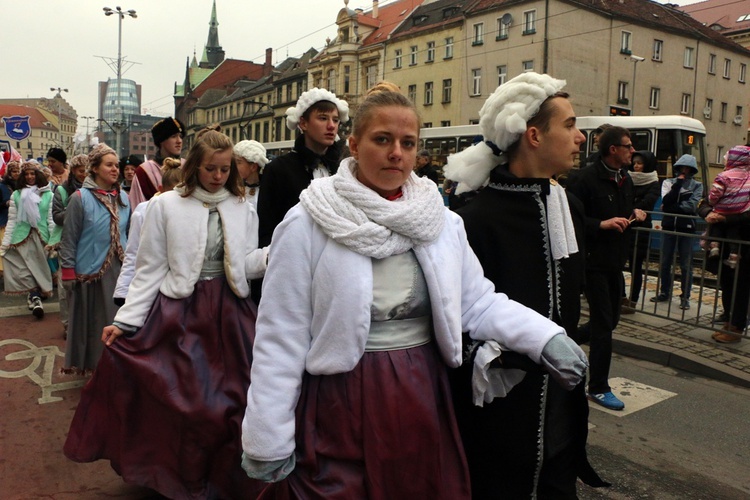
x=675 y=358
x=12 y=311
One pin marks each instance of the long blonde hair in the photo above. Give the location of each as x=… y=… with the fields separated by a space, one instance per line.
x=209 y=141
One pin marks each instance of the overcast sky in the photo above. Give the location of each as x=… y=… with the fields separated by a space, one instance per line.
x=55 y=43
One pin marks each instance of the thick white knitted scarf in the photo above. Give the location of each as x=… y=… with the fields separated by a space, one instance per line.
x=359 y=218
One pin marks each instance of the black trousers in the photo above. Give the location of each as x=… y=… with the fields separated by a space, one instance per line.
x=604 y=292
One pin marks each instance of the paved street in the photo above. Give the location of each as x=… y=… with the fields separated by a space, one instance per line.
x=683 y=434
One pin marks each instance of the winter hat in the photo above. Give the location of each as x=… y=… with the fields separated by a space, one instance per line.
x=738 y=156
x=252 y=151
x=58 y=154
x=78 y=161
x=502 y=120
x=310 y=97
x=687 y=161
x=166 y=128
x=99 y=151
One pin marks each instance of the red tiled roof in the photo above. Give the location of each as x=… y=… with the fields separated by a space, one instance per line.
x=389 y=18
x=227 y=73
x=36 y=118
x=726 y=13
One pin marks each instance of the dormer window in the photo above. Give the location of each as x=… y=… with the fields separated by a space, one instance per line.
x=449 y=12
x=419 y=20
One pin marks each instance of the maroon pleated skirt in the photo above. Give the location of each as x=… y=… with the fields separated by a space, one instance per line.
x=165 y=405
x=386 y=430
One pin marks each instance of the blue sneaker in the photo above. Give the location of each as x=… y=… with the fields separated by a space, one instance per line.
x=607 y=400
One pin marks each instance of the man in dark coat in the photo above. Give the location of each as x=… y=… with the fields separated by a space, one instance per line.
x=425 y=168
x=528 y=235
x=606 y=191
x=317 y=152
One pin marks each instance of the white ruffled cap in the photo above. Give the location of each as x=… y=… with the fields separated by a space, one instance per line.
x=252 y=151
x=502 y=120
x=310 y=97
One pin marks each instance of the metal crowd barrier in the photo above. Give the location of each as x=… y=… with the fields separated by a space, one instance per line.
x=705 y=295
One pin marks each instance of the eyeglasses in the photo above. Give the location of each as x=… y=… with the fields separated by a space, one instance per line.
x=629 y=146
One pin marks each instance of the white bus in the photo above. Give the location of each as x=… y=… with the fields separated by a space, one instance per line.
x=668 y=137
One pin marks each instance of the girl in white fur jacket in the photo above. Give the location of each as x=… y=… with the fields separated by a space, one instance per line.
x=370 y=284
x=165 y=402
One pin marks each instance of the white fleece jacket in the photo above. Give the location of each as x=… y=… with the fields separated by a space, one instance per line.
x=315 y=317
x=173 y=246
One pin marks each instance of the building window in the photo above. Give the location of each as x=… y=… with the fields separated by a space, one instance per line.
x=299 y=89
x=712 y=64
x=625 y=42
x=502 y=74
x=719 y=154
x=743 y=71
x=687 y=61
x=738 y=116
x=371 y=74
x=331 y=80
x=449 y=47
x=658 y=50
x=527 y=66
x=277 y=128
x=478 y=34
x=723 y=115
x=708 y=109
x=447 y=90
x=347 y=79
x=653 y=102
x=727 y=68
x=476 y=81
x=430 y=51
x=278 y=94
x=445 y=123
x=685 y=107
x=412 y=93
x=289 y=92
x=502 y=29
x=622 y=92
x=397 y=59
x=413 y=50
x=427 y=125
x=529 y=22
x=428 y=89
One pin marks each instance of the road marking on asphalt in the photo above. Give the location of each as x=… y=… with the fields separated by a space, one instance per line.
x=35 y=356
x=635 y=395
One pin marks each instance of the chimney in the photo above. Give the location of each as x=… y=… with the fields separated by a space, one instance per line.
x=267 y=66
x=375 y=9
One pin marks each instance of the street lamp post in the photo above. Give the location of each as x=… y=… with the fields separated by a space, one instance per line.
x=59 y=91
x=88 y=134
x=636 y=60
x=118 y=107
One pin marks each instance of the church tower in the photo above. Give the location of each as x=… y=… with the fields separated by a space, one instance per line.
x=213 y=55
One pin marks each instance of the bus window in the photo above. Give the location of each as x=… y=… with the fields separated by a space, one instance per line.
x=693 y=143
x=666 y=152
x=641 y=139
x=440 y=148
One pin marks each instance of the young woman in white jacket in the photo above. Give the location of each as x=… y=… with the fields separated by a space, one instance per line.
x=370 y=284
x=166 y=400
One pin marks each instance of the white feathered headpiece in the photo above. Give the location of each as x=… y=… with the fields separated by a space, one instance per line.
x=252 y=151
x=310 y=97
x=502 y=120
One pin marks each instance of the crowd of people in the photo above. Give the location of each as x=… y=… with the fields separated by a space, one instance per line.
x=309 y=326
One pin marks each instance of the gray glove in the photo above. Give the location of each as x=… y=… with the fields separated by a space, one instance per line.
x=270 y=472
x=565 y=361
